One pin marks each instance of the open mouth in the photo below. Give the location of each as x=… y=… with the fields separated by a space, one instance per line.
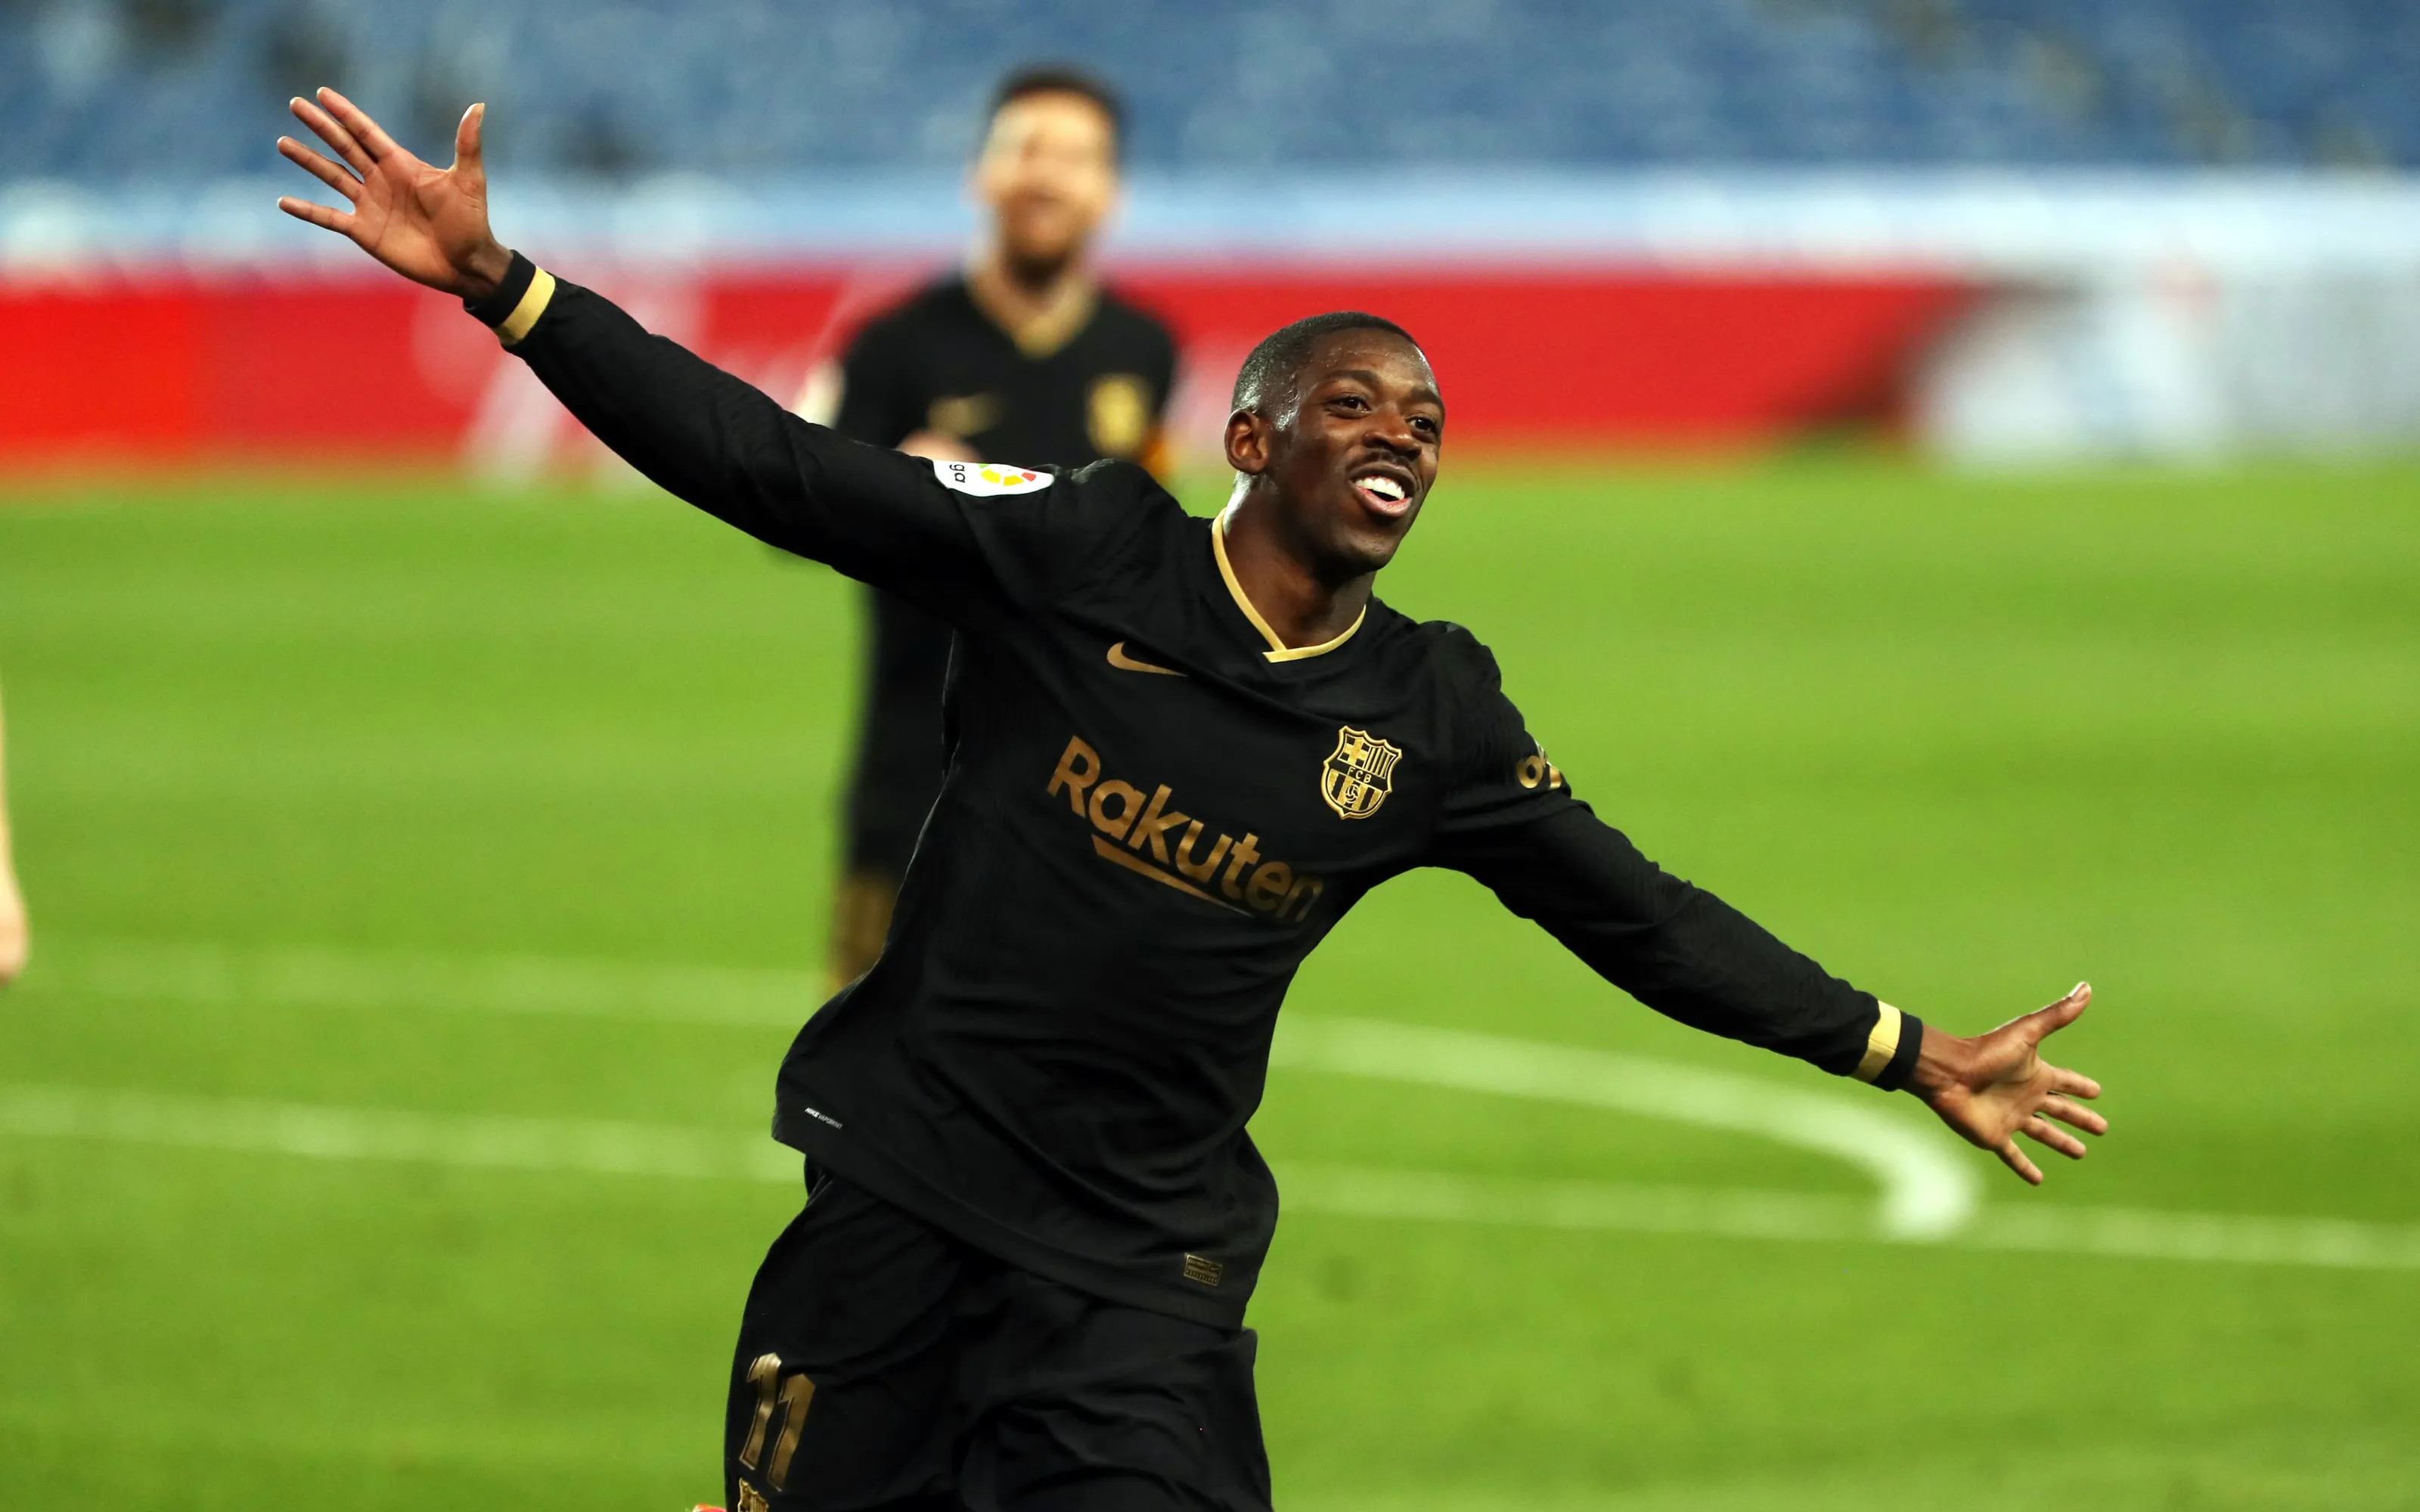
x=1383 y=492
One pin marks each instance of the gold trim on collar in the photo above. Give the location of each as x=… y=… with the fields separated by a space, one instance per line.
x=525 y=313
x=1278 y=650
x=1882 y=1045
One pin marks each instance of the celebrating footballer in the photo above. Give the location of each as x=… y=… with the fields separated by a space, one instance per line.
x=1176 y=752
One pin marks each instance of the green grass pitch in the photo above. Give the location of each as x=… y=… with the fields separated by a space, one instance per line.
x=1966 y=740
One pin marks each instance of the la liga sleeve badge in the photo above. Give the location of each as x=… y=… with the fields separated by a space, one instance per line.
x=989 y=480
x=1358 y=773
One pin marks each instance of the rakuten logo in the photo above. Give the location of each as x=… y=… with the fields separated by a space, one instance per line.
x=1148 y=834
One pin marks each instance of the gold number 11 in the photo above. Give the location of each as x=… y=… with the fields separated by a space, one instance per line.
x=793 y=1396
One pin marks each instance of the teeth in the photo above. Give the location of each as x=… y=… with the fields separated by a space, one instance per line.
x=1384 y=487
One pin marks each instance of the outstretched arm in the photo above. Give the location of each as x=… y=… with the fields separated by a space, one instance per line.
x=1512 y=824
x=1686 y=954
x=696 y=430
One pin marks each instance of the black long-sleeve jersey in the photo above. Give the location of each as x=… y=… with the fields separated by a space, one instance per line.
x=1153 y=811
x=937 y=362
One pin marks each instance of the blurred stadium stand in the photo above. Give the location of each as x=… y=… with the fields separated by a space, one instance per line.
x=2012 y=229
x=150 y=88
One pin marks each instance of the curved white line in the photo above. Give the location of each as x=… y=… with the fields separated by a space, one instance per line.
x=599 y=1147
x=1928 y=1190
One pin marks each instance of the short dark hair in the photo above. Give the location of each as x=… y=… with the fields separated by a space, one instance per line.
x=1273 y=363
x=1064 y=79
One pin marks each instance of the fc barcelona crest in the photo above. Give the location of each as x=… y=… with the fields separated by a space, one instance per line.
x=1359 y=773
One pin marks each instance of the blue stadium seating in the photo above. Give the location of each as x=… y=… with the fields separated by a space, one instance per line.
x=164 y=90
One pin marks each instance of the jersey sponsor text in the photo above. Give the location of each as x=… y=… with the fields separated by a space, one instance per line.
x=1140 y=834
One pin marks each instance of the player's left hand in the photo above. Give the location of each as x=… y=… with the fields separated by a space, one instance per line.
x=13 y=934
x=1995 y=1086
x=427 y=222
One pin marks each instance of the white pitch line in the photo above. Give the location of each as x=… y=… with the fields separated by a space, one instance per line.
x=1929 y=1187
x=1430 y=1196
x=613 y=1149
x=374 y=980
x=1928 y=1190
x=319 y=1133
x=2201 y=1236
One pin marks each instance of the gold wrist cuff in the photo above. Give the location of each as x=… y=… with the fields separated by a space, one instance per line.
x=1881 y=1045
x=525 y=313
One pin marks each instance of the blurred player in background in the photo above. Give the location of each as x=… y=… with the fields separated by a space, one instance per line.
x=1022 y=357
x=12 y=903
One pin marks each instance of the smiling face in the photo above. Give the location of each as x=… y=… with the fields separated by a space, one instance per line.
x=1348 y=452
x=1049 y=173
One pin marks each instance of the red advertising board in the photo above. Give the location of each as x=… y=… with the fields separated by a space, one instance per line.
x=178 y=367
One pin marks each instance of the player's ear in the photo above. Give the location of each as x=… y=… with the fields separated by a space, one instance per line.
x=1247 y=442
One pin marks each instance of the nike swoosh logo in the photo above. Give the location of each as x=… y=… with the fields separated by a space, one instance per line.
x=1124 y=663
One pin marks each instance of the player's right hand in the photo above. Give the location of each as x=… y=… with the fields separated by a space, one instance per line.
x=429 y=224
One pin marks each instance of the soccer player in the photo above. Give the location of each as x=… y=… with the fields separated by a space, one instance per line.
x=13 y=940
x=1022 y=357
x=1178 y=750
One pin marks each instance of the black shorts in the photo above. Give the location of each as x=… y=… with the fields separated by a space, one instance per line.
x=883 y=1364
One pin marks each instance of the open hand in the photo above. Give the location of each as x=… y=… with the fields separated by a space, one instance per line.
x=429 y=224
x=1995 y=1086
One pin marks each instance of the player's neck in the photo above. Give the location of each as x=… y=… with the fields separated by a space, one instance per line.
x=1039 y=307
x=1301 y=604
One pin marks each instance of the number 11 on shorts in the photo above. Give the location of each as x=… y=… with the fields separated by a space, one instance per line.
x=793 y=1396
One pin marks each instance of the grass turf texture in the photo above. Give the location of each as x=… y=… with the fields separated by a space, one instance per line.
x=1965 y=740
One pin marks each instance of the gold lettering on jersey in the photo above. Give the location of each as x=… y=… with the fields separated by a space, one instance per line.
x=1306 y=891
x=965 y=415
x=1116 y=857
x=1079 y=767
x=1127 y=797
x=1208 y=867
x=1245 y=856
x=1154 y=826
x=1269 y=885
x=1359 y=773
x=1117 y=413
x=1151 y=837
